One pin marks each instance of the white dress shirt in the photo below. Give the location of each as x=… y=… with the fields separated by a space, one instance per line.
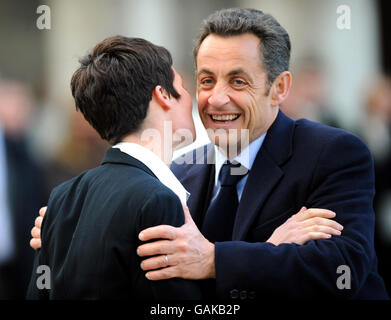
x=156 y=165
x=246 y=158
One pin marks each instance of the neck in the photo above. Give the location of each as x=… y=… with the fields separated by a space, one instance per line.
x=153 y=140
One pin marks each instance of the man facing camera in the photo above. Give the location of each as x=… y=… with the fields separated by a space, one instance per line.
x=125 y=88
x=242 y=61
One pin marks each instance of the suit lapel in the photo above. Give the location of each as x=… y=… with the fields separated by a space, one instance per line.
x=265 y=173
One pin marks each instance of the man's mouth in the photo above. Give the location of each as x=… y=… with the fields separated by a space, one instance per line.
x=224 y=117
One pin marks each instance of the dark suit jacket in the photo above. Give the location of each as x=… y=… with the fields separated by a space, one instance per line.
x=90 y=234
x=300 y=163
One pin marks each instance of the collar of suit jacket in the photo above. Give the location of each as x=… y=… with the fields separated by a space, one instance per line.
x=156 y=165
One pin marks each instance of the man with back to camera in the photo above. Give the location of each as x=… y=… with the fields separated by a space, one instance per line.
x=126 y=87
x=242 y=60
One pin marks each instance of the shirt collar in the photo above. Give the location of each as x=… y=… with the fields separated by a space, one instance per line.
x=156 y=165
x=246 y=157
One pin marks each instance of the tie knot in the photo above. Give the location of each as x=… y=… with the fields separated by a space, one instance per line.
x=230 y=174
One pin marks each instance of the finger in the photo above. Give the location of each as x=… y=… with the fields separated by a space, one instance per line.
x=322 y=221
x=38 y=222
x=163 y=274
x=154 y=248
x=188 y=217
x=156 y=262
x=314 y=236
x=313 y=212
x=322 y=229
x=36 y=233
x=42 y=211
x=299 y=214
x=35 y=244
x=158 y=232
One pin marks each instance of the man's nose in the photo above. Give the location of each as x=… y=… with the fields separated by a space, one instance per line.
x=218 y=97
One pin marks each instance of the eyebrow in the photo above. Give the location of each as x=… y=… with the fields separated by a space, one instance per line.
x=238 y=72
x=203 y=70
x=231 y=73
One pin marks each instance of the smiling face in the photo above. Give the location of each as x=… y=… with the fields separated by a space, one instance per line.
x=232 y=87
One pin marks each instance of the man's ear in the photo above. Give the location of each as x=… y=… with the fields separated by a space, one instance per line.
x=162 y=97
x=280 y=88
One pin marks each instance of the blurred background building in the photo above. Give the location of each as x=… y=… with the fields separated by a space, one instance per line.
x=340 y=77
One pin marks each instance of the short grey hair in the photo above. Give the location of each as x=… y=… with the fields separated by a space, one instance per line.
x=275 y=43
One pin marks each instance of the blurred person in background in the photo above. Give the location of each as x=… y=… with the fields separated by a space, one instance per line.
x=376 y=131
x=81 y=150
x=21 y=189
x=307 y=98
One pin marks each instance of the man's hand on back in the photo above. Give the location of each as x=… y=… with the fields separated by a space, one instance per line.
x=185 y=254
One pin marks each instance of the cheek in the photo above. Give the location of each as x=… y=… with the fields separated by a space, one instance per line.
x=202 y=102
x=249 y=107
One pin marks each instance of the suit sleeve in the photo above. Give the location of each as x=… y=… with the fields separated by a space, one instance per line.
x=165 y=207
x=343 y=181
x=33 y=292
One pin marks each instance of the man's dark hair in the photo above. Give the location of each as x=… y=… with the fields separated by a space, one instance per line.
x=114 y=84
x=275 y=44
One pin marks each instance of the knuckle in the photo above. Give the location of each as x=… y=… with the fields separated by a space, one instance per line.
x=311 y=235
x=292 y=219
x=162 y=274
x=38 y=222
x=147 y=264
x=156 y=249
x=182 y=246
x=296 y=224
x=42 y=211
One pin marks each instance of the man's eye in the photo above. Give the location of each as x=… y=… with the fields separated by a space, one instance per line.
x=206 y=82
x=239 y=82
